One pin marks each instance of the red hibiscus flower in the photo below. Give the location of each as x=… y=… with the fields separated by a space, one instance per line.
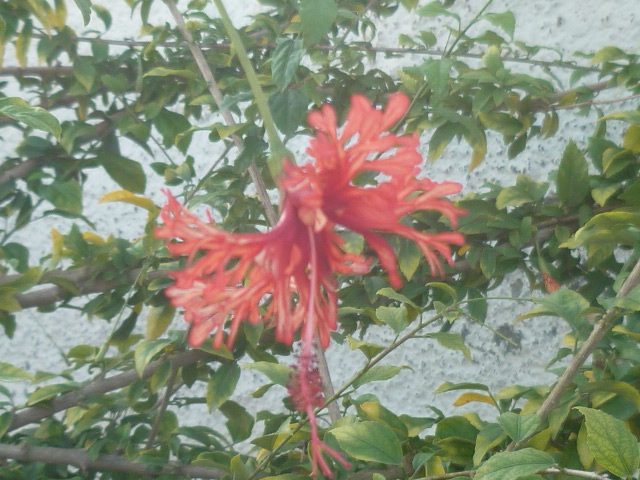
x=287 y=276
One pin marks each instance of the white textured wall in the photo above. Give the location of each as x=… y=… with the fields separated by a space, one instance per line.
x=567 y=26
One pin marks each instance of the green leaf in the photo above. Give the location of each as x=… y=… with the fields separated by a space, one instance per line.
x=289 y=109
x=452 y=341
x=369 y=441
x=275 y=372
x=222 y=384
x=519 y=427
x=168 y=72
x=440 y=138
x=65 y=196
x=478 y=307
x=25 y=281
x=632 y=116
x=448 y=387
x=437 y=73
x=573 y=177
x=409 y=257
x=254 y=147
x=104 y=15
x=505 y=20
x=285 y=61
x=611 y=443
x=8 y=302
x=435 y=9
x=524 y=191
x=47 y=392
x=170 y=125
x=34 y=117
x=443 y=287
x=378 y=373
x=145 y=351
x=607 y=54
x=622 y=389
x=610 y=228
x=393 y=295
x=9 y=373
x=563 y=303
x=514 y=465
x=127 y=173
x=630 y=301
x=85 y=9
x=490 y=436
x=5 y=422
x=316 y=19
x=158 y=320
x=395 y=317
x=500 y=122
x=631 y=139
x=369 y=350
x=240 y=422
x=84 y=72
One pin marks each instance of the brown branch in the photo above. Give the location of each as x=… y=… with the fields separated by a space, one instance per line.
x=54 y=70
x=600 y=330
x=21 y=170
x=216 y=93
x=99 y=386
x=164 y=403
x=103 y=462
x=47 y=296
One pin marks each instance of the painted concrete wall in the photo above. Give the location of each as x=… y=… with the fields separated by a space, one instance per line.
x=563 y=25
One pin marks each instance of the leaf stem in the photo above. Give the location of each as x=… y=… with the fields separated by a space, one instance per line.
x=278 y=150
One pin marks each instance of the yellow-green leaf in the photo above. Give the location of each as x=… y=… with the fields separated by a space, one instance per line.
x=275 y=372
x=166 y=72
x=127 y=197
x=34 y=117
x=158 y=320
x=369 y=441
x=469 y=397
x=9 y=373
x=514 y=465
x=145 y=351
x=612 y=444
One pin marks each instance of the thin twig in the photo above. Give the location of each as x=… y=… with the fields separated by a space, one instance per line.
x=103 y=462
x=362 y=46
x=68 y=400
x=164 y=403
x=216 y=93
x=596 y=102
